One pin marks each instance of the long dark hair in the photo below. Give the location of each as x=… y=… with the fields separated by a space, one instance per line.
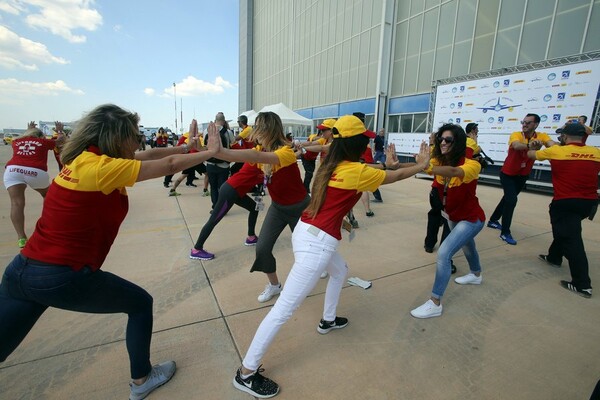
x=342 y=149
x=457 y=149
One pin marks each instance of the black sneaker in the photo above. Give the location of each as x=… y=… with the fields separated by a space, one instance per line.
x=452 y=268
x=325 y=326
x=191 y=185
x=256 y=384
x=587 y=293
x=544 y=257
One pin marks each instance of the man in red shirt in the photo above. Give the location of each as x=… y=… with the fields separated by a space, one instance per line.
x=575 y=169
x=515 y=171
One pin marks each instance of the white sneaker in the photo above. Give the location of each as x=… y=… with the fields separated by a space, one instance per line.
x=269 y=292
x=469 y=279
x=324 y=275
x=427 y=310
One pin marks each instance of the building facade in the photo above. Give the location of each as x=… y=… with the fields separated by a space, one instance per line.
x=326 y=58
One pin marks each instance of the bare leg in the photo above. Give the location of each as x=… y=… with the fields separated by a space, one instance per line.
x=42 y=191
x=17 y=208
x=205 y=181
x=273 y=278
x=364 y=198
x=178 y=181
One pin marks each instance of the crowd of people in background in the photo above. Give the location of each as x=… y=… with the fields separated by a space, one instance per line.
x=104 y=155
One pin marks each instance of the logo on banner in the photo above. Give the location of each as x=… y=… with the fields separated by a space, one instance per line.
x=547 y=98
x=532 y=99
x=450 y=121
x=506 y=82
x=537 y=78
x=500 y=119
x=543 y=118
x=462 y=88
x=491 y=120
x=560 y=96
x=556 y=118
x=452 y=105
x=460 y=104
x=551 y=76
x=496 y=84
x=565 y=74
x=458 y=120
x=498 y=106
x=454 y=89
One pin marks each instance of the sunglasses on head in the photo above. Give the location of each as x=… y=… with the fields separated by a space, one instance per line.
x=447 y=139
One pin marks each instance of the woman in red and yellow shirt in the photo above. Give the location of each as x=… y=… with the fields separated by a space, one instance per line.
x=338 y=185
x=83 y=210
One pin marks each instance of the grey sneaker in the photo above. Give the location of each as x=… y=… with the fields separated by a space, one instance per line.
x=160 y=374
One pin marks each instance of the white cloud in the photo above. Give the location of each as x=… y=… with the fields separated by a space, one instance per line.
x=17 y=88
x=149 y=91
x=61 y=17
x=192 y=86
x=19 y=52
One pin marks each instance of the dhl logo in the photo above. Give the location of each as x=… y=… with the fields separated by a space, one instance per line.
x=519 y=81
x=472 y=87
x=582 y=156
x=578 y=95
x=468 y=104
x=587 y=71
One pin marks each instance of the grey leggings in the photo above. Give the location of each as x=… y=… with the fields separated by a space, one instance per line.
x=277 y=218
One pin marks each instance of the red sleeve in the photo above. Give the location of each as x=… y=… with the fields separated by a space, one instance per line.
x=368 y=156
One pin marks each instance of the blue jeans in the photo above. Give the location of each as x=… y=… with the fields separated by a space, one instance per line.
x=379 y=157
x=462 y=235
x=29 y=287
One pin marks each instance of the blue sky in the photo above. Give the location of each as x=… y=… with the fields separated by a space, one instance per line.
x=61 y=58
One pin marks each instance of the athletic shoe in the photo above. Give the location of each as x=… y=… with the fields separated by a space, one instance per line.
x=21 y=242
x=587 y=293
x=427 y=310
x=256 y=384
x=205 y=193
x=160 y=374
x=324 y=275
x=251 y=242
x=469 y=279
x=494 y=225
x=370 y=214
x=508 y=239
x=173 y=193
x=377 y=201
x=428 y=249
x=269 y=292
x=354 y=224
x=544 y=257
x=191 y=185
x=326 y=326
x=453 y=268
x=201 y=255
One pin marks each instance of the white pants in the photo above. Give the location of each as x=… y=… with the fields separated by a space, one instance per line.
x=35 y=178
x=314 y=252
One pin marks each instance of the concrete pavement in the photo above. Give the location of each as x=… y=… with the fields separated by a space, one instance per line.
x=516 y=336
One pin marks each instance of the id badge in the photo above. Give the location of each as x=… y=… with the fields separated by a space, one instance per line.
x=259 y=203
x=347 y=226
x=523 y=165
x=445 y=215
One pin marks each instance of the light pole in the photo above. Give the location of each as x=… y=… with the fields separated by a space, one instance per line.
x=175 y=95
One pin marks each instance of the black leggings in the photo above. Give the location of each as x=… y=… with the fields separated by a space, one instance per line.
x=227 y=198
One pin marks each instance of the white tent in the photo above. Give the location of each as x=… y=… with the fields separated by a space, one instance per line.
x=288 y=117
x=251 y=114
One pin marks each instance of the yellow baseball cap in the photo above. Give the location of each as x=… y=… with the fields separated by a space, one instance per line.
x=349 y=126
x=327 y=124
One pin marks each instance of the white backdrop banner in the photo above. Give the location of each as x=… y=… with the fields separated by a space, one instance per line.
x=498 y=104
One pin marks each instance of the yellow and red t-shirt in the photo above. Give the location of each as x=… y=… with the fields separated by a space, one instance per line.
x=311 y=155
x=348 y=181
x=575 y=169
x=185 y=139
x=517 y=162
x=83 y=210
x=246 y=142
x=285 y=184
x=461 y=201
